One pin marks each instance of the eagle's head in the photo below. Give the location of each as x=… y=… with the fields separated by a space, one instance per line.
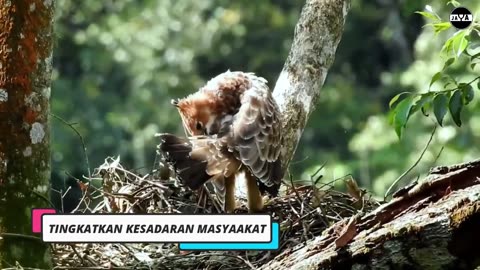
x=197 y=114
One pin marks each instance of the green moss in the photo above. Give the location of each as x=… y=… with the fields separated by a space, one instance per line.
x=462 y=213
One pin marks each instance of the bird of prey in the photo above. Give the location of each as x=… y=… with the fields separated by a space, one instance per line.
x=233 y=128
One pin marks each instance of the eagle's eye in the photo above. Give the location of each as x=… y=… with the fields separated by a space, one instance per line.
x=199 y=126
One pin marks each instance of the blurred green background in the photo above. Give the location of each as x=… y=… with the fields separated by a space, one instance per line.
x=119 y=62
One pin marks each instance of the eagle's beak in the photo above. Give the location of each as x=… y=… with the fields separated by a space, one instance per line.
x=174 y=102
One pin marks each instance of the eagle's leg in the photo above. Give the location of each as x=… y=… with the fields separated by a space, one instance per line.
x=230 y=202
x=254 y=197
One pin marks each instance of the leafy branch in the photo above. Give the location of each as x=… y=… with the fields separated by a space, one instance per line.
x=452 y=100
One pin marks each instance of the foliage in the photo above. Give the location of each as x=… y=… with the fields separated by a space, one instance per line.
x=457 y=94
x=118 y=64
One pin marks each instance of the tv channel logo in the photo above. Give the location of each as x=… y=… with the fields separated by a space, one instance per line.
x=461 y=18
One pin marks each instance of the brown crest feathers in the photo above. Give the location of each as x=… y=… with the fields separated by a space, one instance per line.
x=227 y=89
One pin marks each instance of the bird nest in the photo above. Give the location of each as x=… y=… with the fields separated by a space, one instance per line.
x=303 y=212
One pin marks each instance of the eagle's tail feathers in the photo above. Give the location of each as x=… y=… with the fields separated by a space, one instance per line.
x=190 y=170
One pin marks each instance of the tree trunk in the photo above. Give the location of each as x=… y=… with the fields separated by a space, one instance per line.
x=430 y=225
x=317 y=35
x=26 y=44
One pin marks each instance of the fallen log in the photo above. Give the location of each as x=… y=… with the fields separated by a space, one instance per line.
x=433 y=224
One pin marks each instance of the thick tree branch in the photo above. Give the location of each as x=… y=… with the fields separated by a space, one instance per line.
x=317 y=35
x=428 y=225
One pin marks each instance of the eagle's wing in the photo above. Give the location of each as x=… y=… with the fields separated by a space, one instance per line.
x=255 y=135
x=199 y=159
x=220 y=163
x=251 y=138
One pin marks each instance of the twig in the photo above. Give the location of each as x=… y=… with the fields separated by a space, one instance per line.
x=81 y=140
x=16 y=235
x=81 y=201
x=297 y=221
x=316 y=172
x=9 y=264
x=22 y=268
x=91 y=268
x=330 y=184
x=76 y=252
x=44 y=198
x=298 y=197
x=299 y=161
x=438 y=156
x=411 y=167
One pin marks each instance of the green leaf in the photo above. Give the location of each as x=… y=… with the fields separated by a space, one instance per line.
x=391 y=116
x=399 y=130
x=435 y=78
x=447 y=46
x=395 y=98
x=428 y=15
x=475 y=56
x=460 y=43
x=448 y=63
x=425 y=109
x=457 y=44
x=455 y=105
x=467 y=94
x=402 y=113
x=440 y=103
x=472 y=65
x=453 y=79
x=420 y=103
x=478 y=84
x=454 y=3
x=440 y=27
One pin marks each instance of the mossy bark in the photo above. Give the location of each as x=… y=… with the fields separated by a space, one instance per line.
x=429 y=225
x=26 y=44
x=297 y=90
x=428 y=239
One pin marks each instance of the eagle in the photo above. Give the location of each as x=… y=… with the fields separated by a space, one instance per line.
x=233 y=128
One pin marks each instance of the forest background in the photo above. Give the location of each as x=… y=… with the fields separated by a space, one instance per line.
x=119 y=63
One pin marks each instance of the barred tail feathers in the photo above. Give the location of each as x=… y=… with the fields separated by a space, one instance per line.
x=191 y=170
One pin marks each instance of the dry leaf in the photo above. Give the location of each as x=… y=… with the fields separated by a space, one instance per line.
x=353 y=189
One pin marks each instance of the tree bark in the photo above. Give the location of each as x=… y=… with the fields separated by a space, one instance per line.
x=428 y=225
x=26 y=44
x=317 y=35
